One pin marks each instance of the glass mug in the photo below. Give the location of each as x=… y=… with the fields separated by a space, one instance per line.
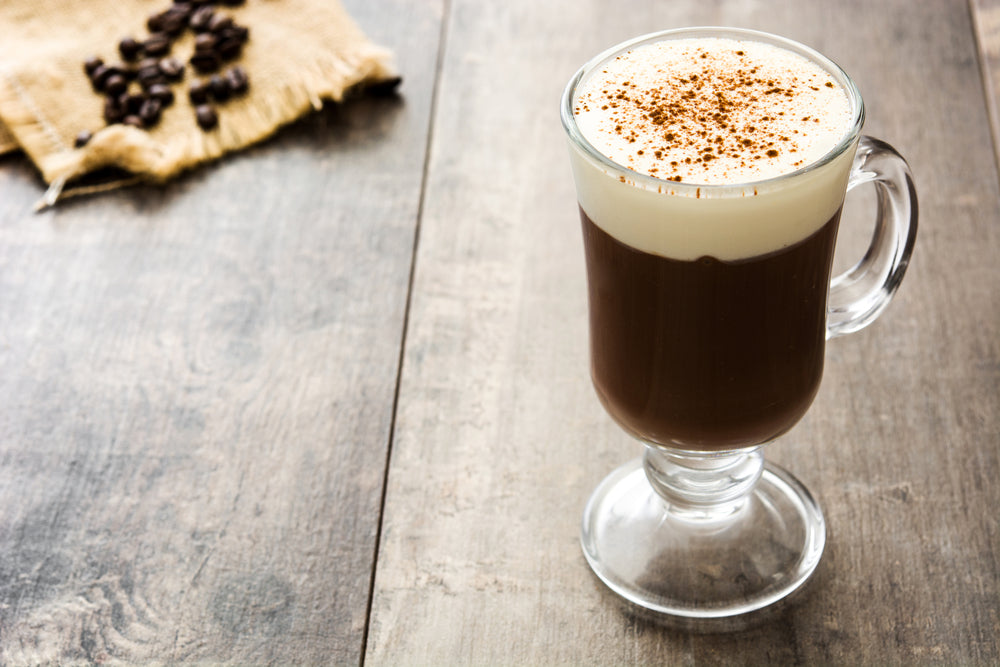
x=705 y=358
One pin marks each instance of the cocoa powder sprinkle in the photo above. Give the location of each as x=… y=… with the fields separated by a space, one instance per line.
x=706 y=107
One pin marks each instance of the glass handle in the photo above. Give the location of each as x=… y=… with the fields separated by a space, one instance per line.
x=859 y=295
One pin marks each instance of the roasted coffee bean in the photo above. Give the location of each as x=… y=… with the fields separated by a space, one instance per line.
x=182 y=10
x=174 y=21
x=235 y=32
x=149 y=72
x=150 y=112
x=172 y=68
x=100 y=76
x=219 y=23
x=150 y=81
x=198 y=92
x=205 y=42
x=171 y=21
x=134 y=121
x=240 y=32
x=130 y=48
x=158 y=44
x=115 y=85
x=163 y=93
x=200 y=19
x=130 y=103
x=82 y=139
x=219 y=88
x=148 y=67
x=229 y=49
x=90 y=64
x=238 y=80
x=206 y=116
x=205 y=62
x=120 y=69
x=112 y=111
x=155 y=22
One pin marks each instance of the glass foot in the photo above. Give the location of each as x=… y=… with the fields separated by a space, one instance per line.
x=685 y=566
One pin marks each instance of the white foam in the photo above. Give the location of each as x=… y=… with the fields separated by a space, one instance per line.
x=671 y=103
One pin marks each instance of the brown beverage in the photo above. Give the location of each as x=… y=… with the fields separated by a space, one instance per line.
x=708 y=273
x=706 y=354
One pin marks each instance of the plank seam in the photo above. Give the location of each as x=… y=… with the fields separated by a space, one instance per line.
x=432 y=122
x=987 y=82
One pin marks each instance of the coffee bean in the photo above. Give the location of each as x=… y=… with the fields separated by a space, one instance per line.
x=206 y=116
x=120 y=69
x=174 y=21
x=130 y=103
x=149 y=72
x=198 y=92
x=183 y=10
x=148 y=64
x=130 y=48
x=100 y=76
x=201 y=18
x=219 y=88
x=115 y=85
x=155 y=22
x=172 y=68
x=163 y=93
x=82 y=139
x=112 y=111
x=150 y=112
x=129 y=73
x=238 y=80
x=229 y=49
x=158 y=44
x=205 y=62
x=240 y=32
x=90 y=64
x=205 y=42
x=151 y=81
x=134 y=121
x=219 y=23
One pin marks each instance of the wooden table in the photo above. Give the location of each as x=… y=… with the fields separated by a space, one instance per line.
x=327 y=402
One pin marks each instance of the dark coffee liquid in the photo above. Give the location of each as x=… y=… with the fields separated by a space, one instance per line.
x=705 y=354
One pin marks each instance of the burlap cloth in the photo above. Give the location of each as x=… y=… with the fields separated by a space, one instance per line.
x=300 y=52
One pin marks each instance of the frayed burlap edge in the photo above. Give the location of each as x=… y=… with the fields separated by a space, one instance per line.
x=7 y=141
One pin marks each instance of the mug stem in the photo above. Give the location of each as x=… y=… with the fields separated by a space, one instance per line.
x=702 y=486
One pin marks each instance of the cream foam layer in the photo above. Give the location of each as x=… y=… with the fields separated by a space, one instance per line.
x=668 y=104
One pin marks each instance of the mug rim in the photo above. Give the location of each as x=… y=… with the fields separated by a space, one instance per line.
x=684 y=187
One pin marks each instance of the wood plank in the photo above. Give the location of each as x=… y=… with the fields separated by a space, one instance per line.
x=499 y=438
x=986 y=18
x=197 y=385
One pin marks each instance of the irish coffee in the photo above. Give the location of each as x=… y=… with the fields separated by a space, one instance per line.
x=711 y=166
x=708 y=272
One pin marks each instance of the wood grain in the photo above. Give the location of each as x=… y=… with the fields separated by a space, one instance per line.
x=499 y=439
x=197 y=387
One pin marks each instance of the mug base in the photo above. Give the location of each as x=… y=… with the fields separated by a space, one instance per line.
x=702 y=573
